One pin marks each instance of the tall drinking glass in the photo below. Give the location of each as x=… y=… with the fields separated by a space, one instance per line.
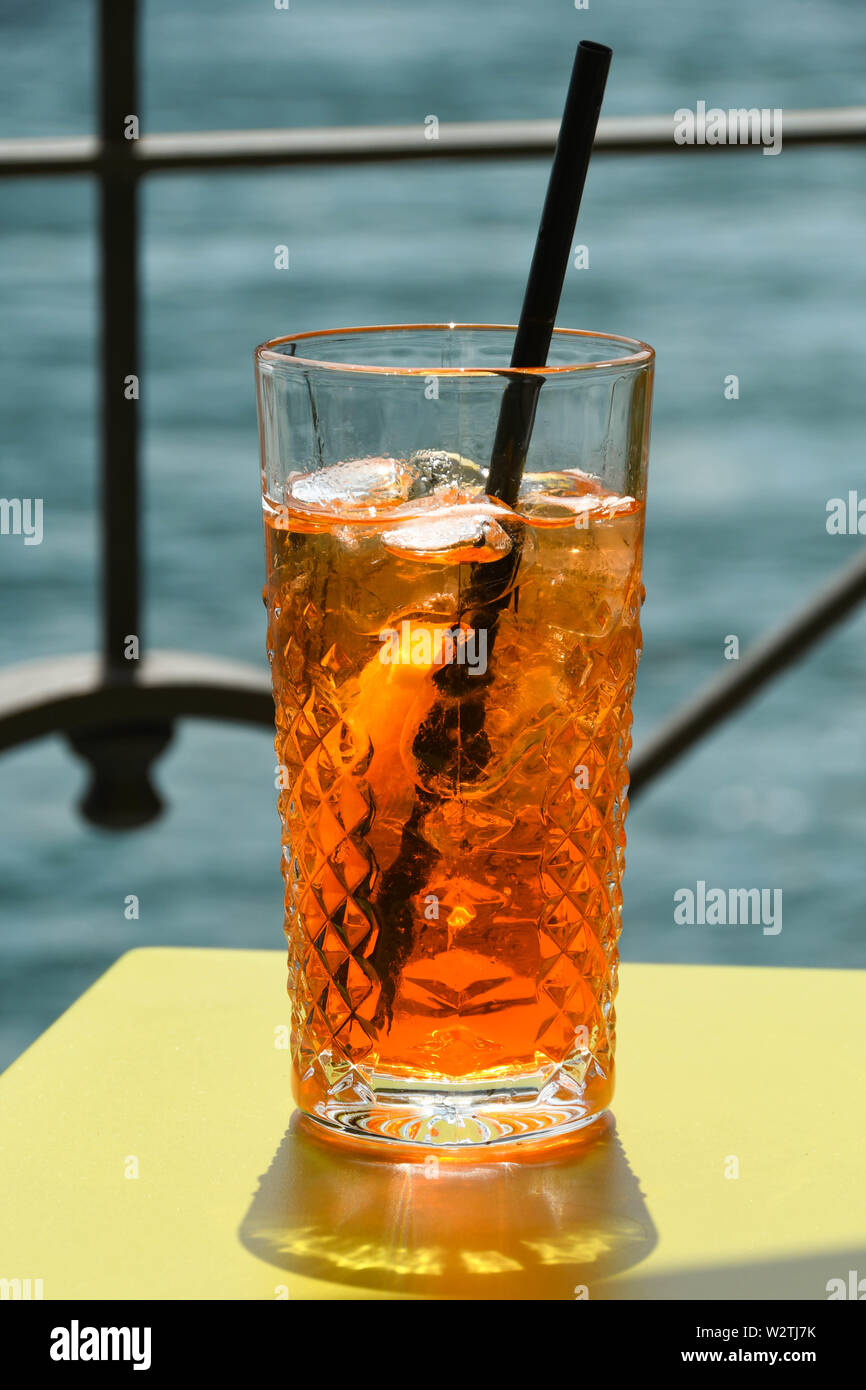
x=452 y=680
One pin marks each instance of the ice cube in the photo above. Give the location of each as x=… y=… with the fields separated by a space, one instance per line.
x=571 y=482
x=602 y=507
x=554 y=498
x=471 y=533
x=451 y=476
x=360 y=486
x=551 y=497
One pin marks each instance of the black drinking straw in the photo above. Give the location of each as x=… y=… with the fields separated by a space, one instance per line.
x=454 y=727
x=549 y=264
x=491 y=585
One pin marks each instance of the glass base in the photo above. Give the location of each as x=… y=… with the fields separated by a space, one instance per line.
x=458 y=1118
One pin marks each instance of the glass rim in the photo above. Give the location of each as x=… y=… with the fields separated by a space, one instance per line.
x=640 y=354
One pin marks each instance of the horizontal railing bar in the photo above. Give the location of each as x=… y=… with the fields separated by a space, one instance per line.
x=223 y=149
x=723 y=696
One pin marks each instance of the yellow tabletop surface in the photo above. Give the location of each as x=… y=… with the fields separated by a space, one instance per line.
x=149 y=1151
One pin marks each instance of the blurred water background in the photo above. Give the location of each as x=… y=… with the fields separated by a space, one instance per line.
x=726 y=263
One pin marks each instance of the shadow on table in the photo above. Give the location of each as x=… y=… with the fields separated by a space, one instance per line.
x=457 y=1228
x=801 y=1277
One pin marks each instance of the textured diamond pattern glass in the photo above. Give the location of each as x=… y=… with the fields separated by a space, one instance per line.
x=452 y=767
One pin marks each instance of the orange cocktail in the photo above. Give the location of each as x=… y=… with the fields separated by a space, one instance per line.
x=453 y=769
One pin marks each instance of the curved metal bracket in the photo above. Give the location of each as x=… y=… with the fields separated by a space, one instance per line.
x=68 y=695
x=121 y=728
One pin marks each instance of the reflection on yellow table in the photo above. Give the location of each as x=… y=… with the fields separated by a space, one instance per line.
x=538 y=1228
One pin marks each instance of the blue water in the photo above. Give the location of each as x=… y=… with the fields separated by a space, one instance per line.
x=726 y=263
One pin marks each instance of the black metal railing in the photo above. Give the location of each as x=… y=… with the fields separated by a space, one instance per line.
x=119 y=714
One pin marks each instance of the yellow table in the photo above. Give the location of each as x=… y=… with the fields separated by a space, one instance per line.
x=147 y=1153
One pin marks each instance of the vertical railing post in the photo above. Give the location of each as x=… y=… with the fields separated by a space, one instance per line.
x=118 y=252
x=120 y=794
